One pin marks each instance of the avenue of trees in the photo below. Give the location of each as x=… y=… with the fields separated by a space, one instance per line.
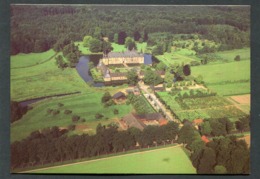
x=51 y=145
x=39 y=28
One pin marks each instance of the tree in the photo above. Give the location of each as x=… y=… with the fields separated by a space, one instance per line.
x=106 y=47
x=95 y=45
x=106 y=97
x=152 y=78
x=157 y=50
x=160 y=66
x=220 y=169
x=145 y=36
x=243 y=124
x=206 y=128
x=121 y=37
x=97 y=33
x=86 y=41
x=237 y=58
x=115 y=38
x=137 y=36
x=186 y=70
x=217 y=127
x=132 y=77
x=207 y=161
x=199 y=79
x=130 y=43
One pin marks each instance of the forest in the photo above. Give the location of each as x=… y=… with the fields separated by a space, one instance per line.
x=31 y=25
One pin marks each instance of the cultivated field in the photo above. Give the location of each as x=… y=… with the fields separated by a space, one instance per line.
x=85 y=105
x=242 y=102
x=26 y=60
x=171 y=160
x=201 y=107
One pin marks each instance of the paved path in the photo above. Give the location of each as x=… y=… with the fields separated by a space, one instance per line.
x=158 y=103
x=76 y=163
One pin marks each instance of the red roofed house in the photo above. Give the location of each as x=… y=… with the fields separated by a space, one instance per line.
x=205 y=139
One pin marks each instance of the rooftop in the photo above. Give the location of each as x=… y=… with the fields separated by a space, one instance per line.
x=132 y=53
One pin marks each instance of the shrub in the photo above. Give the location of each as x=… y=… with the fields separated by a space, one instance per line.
x=237 y=58
x=75 y=118
x=67 y=111
x=116 y=111
x=71 y=127
x=99 y=116
x=83 y=120
x=60 y=104
x=55 y=112
x=49 y=111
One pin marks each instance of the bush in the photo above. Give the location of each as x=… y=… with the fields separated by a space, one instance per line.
x=83 y=120
x=71 y=127
x=49 y=111
x=60 y=104
x=55 y=112
x=67 y=111
x=75 y=118
x=99 y=116
x=116 y=111
x=237 y=58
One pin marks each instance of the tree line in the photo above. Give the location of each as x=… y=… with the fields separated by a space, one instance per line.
x=38 y=28
x=51 y=145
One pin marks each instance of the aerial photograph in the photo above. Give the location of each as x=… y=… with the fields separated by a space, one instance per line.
x=129 y=89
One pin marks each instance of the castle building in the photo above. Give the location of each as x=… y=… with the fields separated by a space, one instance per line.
x=128 y=57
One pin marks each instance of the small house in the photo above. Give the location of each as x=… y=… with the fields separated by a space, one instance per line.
x=131 y=121
x=119 y=96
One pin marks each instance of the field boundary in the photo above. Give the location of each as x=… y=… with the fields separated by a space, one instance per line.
x=104 y=158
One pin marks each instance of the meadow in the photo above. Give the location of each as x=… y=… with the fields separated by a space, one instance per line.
x=120 y=48
x=85 y=105
x=177 y=57
x=44 y=79
x=22 y=60
x=229 y=55
x=171 y=160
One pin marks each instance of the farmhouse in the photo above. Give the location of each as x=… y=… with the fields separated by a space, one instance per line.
x=131 y=121
x=119 y=96
x=151 y=118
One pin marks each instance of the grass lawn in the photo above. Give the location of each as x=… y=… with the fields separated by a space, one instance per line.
x=22 y=60
x=231 y=88
x=44 y=80
x=85 y=105
x=217 y=73
x=171 y=160
x=179 y=57
x=84 y=50
x=231 y=54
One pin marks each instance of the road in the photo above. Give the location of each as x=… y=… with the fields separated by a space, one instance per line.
x=155 y=102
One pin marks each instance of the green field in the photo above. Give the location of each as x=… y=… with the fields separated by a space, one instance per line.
x=179 y=57
x=122 y=48
x=231 y=54
x=44 y=79
x=85 y=105
x=171 y=160
x=231 y=88
x=226 y=78
x=233 y=71
x=22 y=60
